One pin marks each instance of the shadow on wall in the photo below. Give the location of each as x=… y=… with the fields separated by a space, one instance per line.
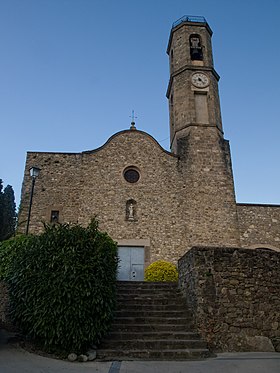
x=264 y=247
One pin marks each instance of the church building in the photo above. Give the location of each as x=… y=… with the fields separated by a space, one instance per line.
x=157 y=204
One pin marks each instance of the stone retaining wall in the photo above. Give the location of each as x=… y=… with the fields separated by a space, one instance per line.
x=235 y=296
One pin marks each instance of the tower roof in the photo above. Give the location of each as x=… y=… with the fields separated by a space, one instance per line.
x=192 y=19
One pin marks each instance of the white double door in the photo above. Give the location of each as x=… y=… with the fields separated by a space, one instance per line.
x=131 y=263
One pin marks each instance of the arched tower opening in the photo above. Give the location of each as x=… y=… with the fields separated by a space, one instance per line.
x=196 y=48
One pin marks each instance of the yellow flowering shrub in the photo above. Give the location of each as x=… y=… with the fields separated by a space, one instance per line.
x=161 y=271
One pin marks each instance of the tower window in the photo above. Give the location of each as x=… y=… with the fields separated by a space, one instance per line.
x=54 y=216
x=171 y=58
x=196 y=48
x=171 y=111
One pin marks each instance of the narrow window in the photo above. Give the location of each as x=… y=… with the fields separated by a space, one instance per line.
x=171 y=58
x=54 y=216
x=196 y=48
x=171 y=111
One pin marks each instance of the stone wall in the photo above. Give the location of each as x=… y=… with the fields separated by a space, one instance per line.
x=58 y=187
x=209 y=199
x=91 y=183
x=259 y=225
x=179 y=201
x=235 y=296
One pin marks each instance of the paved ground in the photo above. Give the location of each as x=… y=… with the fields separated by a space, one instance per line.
x=16 y=360
x=224 y=363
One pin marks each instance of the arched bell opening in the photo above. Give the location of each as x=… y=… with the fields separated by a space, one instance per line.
x=196 y=48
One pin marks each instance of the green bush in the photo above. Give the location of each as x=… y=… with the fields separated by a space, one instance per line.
x=161 y=271
x=9 y=249
x=62 y=286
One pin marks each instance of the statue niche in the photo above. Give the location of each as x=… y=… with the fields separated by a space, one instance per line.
x=130 y=210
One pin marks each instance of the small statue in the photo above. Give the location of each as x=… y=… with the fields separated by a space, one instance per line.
x=131 y=212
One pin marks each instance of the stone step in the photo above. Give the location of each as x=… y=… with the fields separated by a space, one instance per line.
x=149 y=301
x=153 y=344
x=147 y=293
x=147 y=290
x=138 y=298
x=152 y=307
x=128 y=335
x=146 y=285
x=152 y=320
x=152 y=313
x=134 y=327
x=155 y=286
x=173 y=354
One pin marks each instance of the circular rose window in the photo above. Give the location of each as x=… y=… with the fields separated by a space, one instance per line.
x=131 y=175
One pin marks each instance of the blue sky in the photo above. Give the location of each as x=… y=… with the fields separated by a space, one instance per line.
x=71 y=71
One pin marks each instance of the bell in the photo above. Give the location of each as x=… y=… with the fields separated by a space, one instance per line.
x=196 y=53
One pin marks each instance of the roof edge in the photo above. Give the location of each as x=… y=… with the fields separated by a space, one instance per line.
x=258 y=204
x=184 y=23
x=130 y=131
x=107 y=142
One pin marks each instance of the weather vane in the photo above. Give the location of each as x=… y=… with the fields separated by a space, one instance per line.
x=133 y=117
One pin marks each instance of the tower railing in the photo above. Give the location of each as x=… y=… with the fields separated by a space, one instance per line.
x=198 y=19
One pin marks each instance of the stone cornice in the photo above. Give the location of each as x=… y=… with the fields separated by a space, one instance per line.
x=192 y=68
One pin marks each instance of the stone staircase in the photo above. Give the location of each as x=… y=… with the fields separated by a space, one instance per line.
x=152 y=322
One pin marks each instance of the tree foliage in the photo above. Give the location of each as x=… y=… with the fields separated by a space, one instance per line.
x=161 y=271
x=7 y=212
x=9 y=249
x=62 y=286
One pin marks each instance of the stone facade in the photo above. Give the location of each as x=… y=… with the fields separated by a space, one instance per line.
x=182 y=199
x=259 y=226
x=176 y=206
x=95 y=186
x=234 y=294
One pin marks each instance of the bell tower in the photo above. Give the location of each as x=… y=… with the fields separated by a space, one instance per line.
x=196 y=136
x=193 y=86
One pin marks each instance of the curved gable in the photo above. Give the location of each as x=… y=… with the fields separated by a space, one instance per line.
x=130 y=132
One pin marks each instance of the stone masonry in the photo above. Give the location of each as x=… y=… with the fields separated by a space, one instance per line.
x=90 y=184
x=183 y=198
x=175 y=205
x=235 y=296
x=259 y=225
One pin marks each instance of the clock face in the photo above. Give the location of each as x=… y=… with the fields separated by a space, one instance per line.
x=200 y=80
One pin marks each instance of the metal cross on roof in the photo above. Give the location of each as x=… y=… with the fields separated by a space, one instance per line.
x=133 y=117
